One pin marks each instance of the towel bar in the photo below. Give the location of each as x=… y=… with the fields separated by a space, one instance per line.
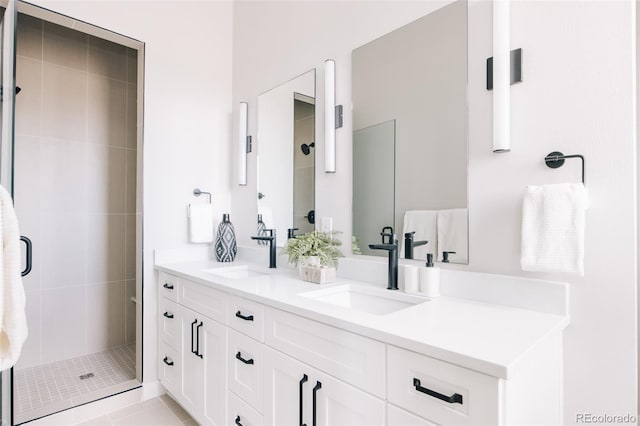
x=556 y=159
x=197 y=192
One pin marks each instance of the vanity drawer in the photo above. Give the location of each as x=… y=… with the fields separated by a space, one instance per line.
x=245 y=368
x=419 y=384
x=169 y=324
x=240 y=412
x=204 y=300
x=168 y=286
x=169 y=369
x=246 y=316
x=354 y=359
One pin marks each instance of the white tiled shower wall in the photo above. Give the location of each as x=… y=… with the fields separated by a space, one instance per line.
x=75 y=189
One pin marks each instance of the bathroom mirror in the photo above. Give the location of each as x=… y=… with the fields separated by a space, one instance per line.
x=410 y=131
x=286 y=157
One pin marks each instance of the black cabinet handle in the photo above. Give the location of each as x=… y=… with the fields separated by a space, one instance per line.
x=302 y=382
x=238 y=421
x=456 y=398
x=168 y=315
x=316 y=388
x=29 y=257
x=246 y=361
x=192 y=324
x=247 y=318
x=168 y=286
x=166 y=361
x=198 y=354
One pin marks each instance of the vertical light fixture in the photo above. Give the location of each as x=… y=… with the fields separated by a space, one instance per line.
x=242 y=143
x=329 y=116
x=501 y=76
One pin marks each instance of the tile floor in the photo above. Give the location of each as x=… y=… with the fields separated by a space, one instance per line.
x=162 y=411
x=53 y=387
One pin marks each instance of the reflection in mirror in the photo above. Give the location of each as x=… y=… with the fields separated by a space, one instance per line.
x=410 y=126
x=286 y=157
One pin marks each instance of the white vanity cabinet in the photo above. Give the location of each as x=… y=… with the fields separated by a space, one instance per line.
x=229 y=360
x=296 y=393
x=197 y=378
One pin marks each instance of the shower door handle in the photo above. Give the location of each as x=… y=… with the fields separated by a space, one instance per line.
x=29 y=257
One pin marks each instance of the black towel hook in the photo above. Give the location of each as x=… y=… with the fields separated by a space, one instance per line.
x=556 y=159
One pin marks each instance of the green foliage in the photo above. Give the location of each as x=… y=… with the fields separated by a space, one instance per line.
x=321 y=244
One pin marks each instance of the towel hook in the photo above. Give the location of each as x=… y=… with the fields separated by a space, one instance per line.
x=556 y=159
x=197 y=192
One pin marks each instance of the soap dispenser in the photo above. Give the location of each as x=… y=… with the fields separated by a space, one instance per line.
x=430 y=278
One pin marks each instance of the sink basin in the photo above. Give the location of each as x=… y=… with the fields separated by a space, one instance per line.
x=236 y=272
x=364 y=299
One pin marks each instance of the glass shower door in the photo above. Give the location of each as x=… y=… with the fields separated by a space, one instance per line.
x=7 y=121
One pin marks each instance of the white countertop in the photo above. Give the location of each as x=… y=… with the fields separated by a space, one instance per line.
x=483 y=337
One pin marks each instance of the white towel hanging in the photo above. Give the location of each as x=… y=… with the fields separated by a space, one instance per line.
x=553 y=227
x=13 y=319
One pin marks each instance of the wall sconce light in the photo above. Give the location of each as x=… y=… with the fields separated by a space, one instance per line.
x=504 y=69
x=332 y=116
x=244 y=143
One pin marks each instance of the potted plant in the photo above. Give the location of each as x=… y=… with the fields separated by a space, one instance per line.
x=316 y=255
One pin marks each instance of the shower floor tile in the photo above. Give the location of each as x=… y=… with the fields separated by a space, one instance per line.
x=49 y=388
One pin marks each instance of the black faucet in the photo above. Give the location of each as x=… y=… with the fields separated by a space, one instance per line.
x=291 y=233
x=272 y=245
x=392 y=248
x=409 y=244
x=445 y=256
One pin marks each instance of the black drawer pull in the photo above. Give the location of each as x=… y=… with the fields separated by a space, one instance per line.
x=316 y=388
x=247 y=318
x=246 y=361
x=238 y=421
x=197 y=352
x=168 y=315
x=304 y=379
x=168 y=286
x=456 y=398
x=166 y=361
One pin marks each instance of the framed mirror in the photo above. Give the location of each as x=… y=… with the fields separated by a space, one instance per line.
x=410 y=137
x=286 y=157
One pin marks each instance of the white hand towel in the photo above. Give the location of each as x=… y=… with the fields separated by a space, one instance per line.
x=200 y=223
x=423 y=222
x=13 y=319
x=553 y=224
x=453 y=234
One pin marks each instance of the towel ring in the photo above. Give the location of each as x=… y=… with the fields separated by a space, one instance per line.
x=556 y=159
x=197 y=192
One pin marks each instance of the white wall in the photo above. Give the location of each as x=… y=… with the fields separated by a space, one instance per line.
x=187 y=117
x=578 y=96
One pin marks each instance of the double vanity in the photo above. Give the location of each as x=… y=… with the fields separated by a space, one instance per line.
x=246 y=345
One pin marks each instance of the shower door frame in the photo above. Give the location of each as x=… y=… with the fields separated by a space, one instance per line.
x=8 y=74
x=8 y=31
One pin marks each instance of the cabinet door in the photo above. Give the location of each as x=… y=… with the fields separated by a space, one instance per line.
x=336 y=403
x=339 y=404
x=245 y=368
x=287 y=390
x=191 y=365
x=213 y=347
